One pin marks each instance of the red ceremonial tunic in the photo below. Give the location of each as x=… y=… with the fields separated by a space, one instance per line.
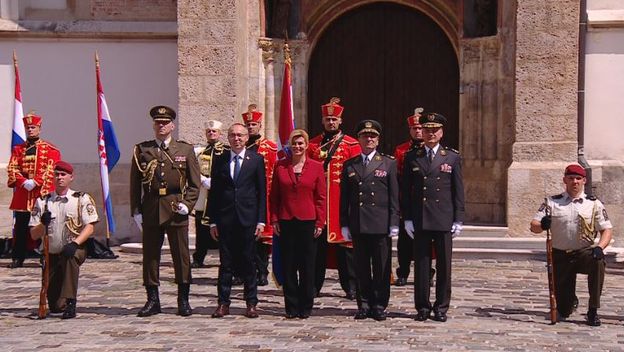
x=39 y=167
x=268 y=150
x=348 y=148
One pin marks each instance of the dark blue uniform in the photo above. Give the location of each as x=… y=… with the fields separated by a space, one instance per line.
x=433 y=198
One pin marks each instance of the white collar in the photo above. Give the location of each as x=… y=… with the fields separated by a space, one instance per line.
x=435 y=149
x=54 y=195
x=241 y=154
x=164 y=144
x=369 y=156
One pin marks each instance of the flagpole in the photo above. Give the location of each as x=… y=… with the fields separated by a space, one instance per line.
x=97 y=73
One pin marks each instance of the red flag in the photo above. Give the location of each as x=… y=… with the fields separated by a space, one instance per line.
x=287 y=116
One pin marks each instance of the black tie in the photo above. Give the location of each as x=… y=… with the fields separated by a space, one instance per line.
x=431 y=155
x=365 y=161
x=237 y=166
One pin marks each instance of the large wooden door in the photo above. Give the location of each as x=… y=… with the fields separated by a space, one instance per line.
x=383 y=60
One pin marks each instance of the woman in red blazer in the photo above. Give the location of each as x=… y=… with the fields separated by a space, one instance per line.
x=298 y=216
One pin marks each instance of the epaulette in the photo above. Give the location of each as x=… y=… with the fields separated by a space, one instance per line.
x=591 y=197
x=145 y=143
x=78 y=194
x=45 y=196
x=183 y=142
x=453 y=150
x=388 y=156
x=557 y=196
x=350 y=140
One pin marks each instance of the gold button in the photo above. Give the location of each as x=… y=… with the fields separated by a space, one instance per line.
x=438 y=178
x=372 y=183
x=437 y=201
x=373 y=204
x=437 y=189
x=424 y=199
x=361 y=193
x=162 y=174
x=372 y=193
x=361 y=203
x=424 y=188
x=424 y=177
x=359 y=183
x=162 y=164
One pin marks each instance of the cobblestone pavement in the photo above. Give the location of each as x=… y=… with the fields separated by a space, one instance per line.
x=496 y=306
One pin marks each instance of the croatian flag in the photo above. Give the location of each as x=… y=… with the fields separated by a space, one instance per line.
x=287 y=116
x=19 y=133
x=285 y=127
x=108 y=148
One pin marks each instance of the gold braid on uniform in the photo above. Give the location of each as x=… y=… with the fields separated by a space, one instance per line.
x=148 y=171
x=49 y=170
x=587 y=232
x=324 y=152
x=75 y=225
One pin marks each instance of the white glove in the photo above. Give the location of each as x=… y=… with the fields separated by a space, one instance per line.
x=346 y=233
x=456 y=229
x=394 y=231
x=409 y=228
x=138 y=220
x=182 y=209
x=205 y=181
x=29 y=185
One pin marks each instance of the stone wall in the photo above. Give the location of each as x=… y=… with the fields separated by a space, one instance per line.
x=545 y=105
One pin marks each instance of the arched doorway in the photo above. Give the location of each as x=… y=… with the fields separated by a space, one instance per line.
x=383 y=60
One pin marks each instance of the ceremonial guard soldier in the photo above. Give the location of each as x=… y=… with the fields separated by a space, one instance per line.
x=206 y=156
x=433 y=210
x=575 y=219
x=369 y=213
x=405 y=243
x=164 y=186
x=268 y=150
x=333 y=148
x=30 y=174
x=70 y=217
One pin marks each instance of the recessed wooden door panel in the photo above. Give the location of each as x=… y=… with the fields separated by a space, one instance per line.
x=383 y=60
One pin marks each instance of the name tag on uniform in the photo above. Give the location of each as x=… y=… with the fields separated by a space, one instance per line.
x=380 y=173
x=351 y=174
x=179 y=158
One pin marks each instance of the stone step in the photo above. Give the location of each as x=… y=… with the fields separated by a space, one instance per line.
x=536 y=243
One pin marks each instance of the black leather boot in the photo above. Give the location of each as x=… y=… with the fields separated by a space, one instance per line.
x=152 y=306
x=184 y=308
x=70 y=309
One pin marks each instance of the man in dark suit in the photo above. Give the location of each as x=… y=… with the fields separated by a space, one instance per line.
x=164 y=185
x=369 y=213
x=237 y=210
x=432 y=204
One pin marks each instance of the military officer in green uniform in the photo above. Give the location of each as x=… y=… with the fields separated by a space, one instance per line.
x=164 y=186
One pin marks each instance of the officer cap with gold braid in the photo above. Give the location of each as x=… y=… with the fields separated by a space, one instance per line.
x=368 y=126
x=432 y=120
x=162 y=113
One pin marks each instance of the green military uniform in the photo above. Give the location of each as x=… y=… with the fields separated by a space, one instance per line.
x=164 y=176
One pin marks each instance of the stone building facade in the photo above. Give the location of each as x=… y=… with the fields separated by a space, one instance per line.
x=519 y=71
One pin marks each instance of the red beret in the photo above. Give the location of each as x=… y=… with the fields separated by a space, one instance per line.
x=574 y=169
x=64 y=166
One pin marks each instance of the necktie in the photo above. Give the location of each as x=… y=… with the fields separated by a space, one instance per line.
x=365 y=161
x=237 y=166
x=431 y=155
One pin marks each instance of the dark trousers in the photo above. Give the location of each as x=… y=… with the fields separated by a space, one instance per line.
x=203 y=240
x=237 y=250
x=153 y=238
x=405 y=253
x=298 y=254
x=373 y=254
x=63 y=278
x=443 y=244
x=345 y=264
x=262 y=258
x=20 y=234
x=566 y=266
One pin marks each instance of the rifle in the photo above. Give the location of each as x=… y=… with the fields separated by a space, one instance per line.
x=551 y=272
x=45 y=275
